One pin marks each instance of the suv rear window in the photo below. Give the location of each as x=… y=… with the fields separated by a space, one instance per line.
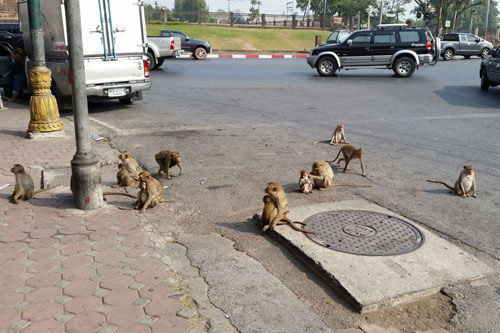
x=409 y=36
x=450 y=37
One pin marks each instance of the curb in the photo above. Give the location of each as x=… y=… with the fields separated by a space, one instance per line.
x=249 y=56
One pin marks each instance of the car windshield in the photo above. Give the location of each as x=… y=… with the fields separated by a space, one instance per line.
x=333 y=36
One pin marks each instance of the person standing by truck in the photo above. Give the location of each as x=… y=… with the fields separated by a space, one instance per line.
x=16 y=67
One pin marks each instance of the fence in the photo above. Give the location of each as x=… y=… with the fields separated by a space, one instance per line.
x=250 y=20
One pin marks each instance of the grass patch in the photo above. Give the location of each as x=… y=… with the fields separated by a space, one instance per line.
x=246 y=39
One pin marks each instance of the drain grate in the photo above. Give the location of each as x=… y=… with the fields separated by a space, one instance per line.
x=364 y=233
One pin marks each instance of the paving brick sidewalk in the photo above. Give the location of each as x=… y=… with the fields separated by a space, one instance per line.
x=66 y=270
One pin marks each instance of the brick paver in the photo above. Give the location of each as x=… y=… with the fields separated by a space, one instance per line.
x=65 y=270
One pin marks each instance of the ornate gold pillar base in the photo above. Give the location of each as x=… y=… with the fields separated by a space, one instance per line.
x=44 y=113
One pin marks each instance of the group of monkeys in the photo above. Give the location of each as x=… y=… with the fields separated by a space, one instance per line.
x=276 y=203
x=129 y=174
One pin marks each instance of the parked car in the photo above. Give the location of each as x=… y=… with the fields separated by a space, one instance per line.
x=161 y=48
x=199 y=48
x=395 y=47
x=466 y=45
x=338 y=36
x=10 y=32
x=489 y=70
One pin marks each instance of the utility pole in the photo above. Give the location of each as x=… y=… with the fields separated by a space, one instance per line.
x=381 y=8
x=85 y=166
x=486 y=18
x=44 y=113
x=438 y=33
x=471 y=13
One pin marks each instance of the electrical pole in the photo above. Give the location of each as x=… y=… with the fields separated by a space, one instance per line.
x=44 y=113
x=85 y=166
x=439 y=19
x=381 y=8
x=486 y=18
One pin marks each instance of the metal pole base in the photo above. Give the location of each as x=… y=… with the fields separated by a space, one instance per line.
x=44 y=113
x=86 y=182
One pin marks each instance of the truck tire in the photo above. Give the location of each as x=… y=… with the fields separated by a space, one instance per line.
x=151 y=60
x=404 y=66
x=485 y=52
x=448 y=54
x=485 y=83
x=326 y=66
x=160 y=63
x=200 y=53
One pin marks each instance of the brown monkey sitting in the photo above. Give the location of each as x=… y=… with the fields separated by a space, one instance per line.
x=154 y=190
x=24 y=188
x=275 y=210
x=465 y=184
x=338 y=135
x=123 y=177
x=349 y=153
x=305 y=182
x=168 y=159
x=133 y=168
x=322 y=175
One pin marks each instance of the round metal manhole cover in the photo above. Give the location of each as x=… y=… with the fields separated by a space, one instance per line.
x=364 y=233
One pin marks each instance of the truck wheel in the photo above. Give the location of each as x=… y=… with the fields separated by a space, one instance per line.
x=326 y=66
x=126 y=101
x=448 y=54
x=151 y=60
x=200 y=53
x=404 y=67
x=485 y=53
x=160 y=63
x=485 y=83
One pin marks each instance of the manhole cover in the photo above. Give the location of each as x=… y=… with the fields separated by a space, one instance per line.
x=363 y=232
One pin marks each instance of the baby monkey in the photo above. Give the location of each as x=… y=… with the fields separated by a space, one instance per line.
x=338 y=135
x=305 y=182
x=465 y=184
x=349 y=153
x=123 y=177
x=24 y=188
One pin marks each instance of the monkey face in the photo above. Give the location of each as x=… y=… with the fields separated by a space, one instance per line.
x=17 y=168
x=176 y=156
x=469 y=169
x=145 y=175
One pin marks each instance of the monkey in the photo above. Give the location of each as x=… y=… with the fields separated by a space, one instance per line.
x=153 y=188
x=269 y=212
x=24 y=188
x=465 y=184
x=123 y=177
x=338 y=135
x=133 y=168
x=322 y=175
x=305 y=182
x=277 y=208
x=350 y=152
x=168 y=159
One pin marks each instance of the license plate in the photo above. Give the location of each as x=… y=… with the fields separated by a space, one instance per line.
x=115 y=92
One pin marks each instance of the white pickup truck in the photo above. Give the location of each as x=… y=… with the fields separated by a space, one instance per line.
x=161 y=48
x=114 y=48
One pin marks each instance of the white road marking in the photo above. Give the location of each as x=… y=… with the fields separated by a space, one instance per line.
x=111 y=127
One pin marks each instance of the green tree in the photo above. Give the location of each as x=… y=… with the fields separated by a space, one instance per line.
x=254 y=11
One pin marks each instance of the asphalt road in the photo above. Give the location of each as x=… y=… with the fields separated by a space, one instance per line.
x=242 y=123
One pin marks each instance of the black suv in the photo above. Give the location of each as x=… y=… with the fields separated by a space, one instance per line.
x=489 y=70
x=10 y=33
x=199 y=48
x=395 y=47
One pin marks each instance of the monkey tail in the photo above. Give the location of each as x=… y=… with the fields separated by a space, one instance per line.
x=163 y=200
x=42 y=190
x=443 y=183
x=340 y=150
x=350 y=185
x=126 y=208
x=120 y=193
x=292 y=224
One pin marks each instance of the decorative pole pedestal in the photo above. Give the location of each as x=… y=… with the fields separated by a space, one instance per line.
x=44 y=113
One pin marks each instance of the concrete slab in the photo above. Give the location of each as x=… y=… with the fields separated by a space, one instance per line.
x=372 y=282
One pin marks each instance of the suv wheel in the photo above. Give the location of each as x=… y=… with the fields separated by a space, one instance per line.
x=448 y=54
x=200 y=53
x=485 y=53
x=404 y=67
x=326 y=66
x=485 y=83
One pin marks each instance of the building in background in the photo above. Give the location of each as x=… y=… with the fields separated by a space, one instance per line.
x=8 y=10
